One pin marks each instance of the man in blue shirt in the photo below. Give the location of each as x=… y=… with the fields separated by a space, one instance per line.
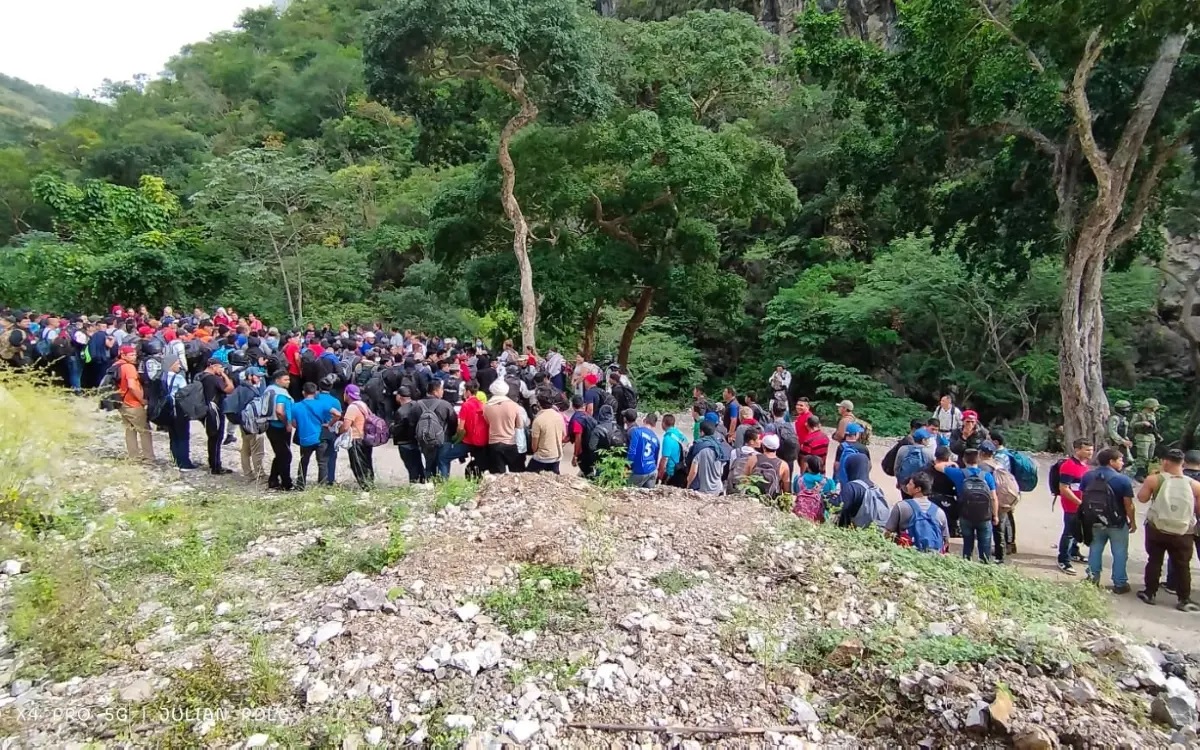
x=643 y=449
x=1114 y=526
x=279 y=431
x=977 y=515
x=674 y=447
x=312 y=417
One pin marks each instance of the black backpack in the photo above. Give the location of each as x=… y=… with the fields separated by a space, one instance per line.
x=189 y=401
x=606 y=435
x=1100 y=505
x=975 y=499
x=1053 y=478
x=430 y=432
x=625 y=396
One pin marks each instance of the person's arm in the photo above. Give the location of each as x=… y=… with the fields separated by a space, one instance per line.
x=1196 y=497
x=1148 y=488
x=1064 y=490
x=662 y=467
x=534 y=439
x=227 y=383
x=785 y=479
x=1131 y=515
x=695 y=467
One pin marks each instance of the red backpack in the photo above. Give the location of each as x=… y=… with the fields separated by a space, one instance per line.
x=809 y=503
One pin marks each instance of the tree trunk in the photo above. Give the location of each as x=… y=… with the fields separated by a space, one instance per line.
x=1084 y=403
x=588 y=346
x=640 y=311
x=512 y=209
x=287 y=287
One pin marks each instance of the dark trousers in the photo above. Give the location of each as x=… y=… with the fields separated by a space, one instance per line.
x=74 y=372
x=1068 y=543
x=1170 y=570
x=559 y=381
x=506 y=457
x=1003 y=534
x=480 y=462
x=214 y=428
x=362 y=464
x=331 y=453
x=281 y=465
x=410 y=454
x=1178 y=549
x=535 y=466
x=320 y=450
x=296 y=388
x=180 y=434
x=93 y=373
x=949 y=505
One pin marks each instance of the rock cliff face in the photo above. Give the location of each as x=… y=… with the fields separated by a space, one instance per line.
x=865 y=19
x=1165 y=351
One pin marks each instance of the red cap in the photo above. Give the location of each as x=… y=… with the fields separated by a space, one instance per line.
x=128 y=350
x=968 y=414
x=591 y=379
x=169 y=334
x=145 y=331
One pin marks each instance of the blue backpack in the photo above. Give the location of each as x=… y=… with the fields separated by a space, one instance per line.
x=1024 y=470
x=914 y=461
x=923 y=528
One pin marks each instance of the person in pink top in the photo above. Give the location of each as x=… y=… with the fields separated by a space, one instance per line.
x=354 y=421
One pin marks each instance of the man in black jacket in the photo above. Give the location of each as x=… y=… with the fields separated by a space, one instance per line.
x=404 y=425
x=438 y=457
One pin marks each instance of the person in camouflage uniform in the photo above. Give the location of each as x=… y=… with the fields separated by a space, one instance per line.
x=1118 y=431
x=1145 y=435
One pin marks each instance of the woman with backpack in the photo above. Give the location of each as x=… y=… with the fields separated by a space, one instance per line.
x=358 y=423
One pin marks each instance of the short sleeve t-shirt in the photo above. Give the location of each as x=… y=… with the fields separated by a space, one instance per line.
x=643 y=451
x=902 y=513
x=958 y=476
x=548 y=430
x=709 y=466
x=1071 y=474
x=129 y=376
x=1121 y=485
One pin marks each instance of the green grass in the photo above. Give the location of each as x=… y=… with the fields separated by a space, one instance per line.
x=674 y=581
x=453 y=492
x=328 y=561
x=560 y=607
x=559 y=673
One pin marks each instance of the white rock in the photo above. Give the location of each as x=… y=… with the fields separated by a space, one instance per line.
x=521 y=731
x=467 y=612
x=545 y=584
x=647 y=554
x=317 y=693
x=374 y=736
x=223 y=609
x=331 y=629
x=416 y=587
x=604 y=677
x=205 y=727
x=418 y=737
x=802 y=711
x=560 y=704
x=466 y=661
x=440 y=653
x=460 y=721
x=940 y=629
x=428 y=664
x=529 y=637
x=531 y=696
x=257 y=740
x=488 y=654
x=136 y=691
x=12 y=567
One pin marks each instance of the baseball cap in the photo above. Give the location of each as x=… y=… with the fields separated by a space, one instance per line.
x=987 y=446
x=128 y=350
x=771 y=442
x=968 y=414
x=921 y=435
x=591 y=379
x=214 y=361
x=846 y=404
x=253 y=371
x=404 y=391
x=854 y=428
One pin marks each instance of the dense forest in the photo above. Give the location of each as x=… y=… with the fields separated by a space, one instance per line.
x=956 y=195
x=25 y=107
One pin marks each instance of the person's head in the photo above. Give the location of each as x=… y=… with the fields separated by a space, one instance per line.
x=310 y=390
x=404 y=394
x=577 y=403
x=651 y=420
x=1122 y=406
x=435 y=388
x=933 y=427
x=282 y=378
x=946 y=401
x=215 y=366
x=128 y=354
x=919 y=484
x=853 y=432
x=697 y=392
x=1083 y=449
x=1150 y=404
x=629 y=417
x=987 y=449
x=754 y=436
x=1112 y=458
x=920 y=435
x=770 y=444
x=998 y=439
x=971 y=456
x=668 y=421
x=970 y=420
x=845 y=407
x=812 y=465
x=498 y=388
x=614 y=377
x=1173 y=461
x=803 y=407
x=751 y=398
x=941 y=454
x=590 y=380
x=544 y=401
x=175 y=366
x=708 y=429
x=915 y=425
x=813 y=422
x=729 y=393
x=778 y=411
x=352 y=393
x=1191 y=459
x=779 y=367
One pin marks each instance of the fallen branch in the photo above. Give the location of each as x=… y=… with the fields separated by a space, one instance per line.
x=686 y=730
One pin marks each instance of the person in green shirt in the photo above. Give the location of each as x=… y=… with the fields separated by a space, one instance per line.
x=674 y=448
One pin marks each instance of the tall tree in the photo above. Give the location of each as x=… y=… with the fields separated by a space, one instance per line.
x=542 y=54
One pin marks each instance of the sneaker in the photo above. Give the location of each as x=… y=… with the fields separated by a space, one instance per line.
x=1170 y=590
x=1188 y=607
x=221 y=471
x=1078 y=558
x=229 y=440
x=1145 y=597
x=1066 y=568
x=1123 y=589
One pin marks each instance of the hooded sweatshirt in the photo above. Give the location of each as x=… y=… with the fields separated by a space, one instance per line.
x=858 y=470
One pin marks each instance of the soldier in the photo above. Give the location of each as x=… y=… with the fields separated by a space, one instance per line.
x=1118 y=431
x=1145 y=435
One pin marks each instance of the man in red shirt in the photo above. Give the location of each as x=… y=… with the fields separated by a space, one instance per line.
x=475 y=431
x=291 y=355
x=816 y=442
x=800 y=419
x=1070 y=492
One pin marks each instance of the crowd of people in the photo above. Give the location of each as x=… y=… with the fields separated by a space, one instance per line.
x=327 y=390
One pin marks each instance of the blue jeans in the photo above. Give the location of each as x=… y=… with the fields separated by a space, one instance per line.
x=1119 y=539
x=977 y=532
x=75 y=372
x=410 y=454
x=1068 y=546
x=438 y=461
x=331 y=460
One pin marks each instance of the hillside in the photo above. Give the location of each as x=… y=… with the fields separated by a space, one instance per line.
x=24 y=105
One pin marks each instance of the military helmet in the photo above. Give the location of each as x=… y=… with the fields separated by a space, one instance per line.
x=1123 y=405
x=1150 y=403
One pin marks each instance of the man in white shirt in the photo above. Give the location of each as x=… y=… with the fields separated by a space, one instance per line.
x=948 y=415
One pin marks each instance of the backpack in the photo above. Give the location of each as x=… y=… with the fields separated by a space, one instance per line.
x=924 y=531
x=606 y=435
x=767 y=471
x=375 y=429
x=235 y=403
x=43 y=346
x=912 y=463
x=789 y=441
x=975 y=498
x=810 y=503
x=1098 y=505
x=1053 y=478
x=110 y=397
x=1024 y=470
x=864 y=437
x=193 y=354
x=189 y=401
x=1008 y=491
x=430 y=433
x=1172 y=511
x=608 y=399
x=874 y=510
x=257 y=414
x=629 y=395
x=848 y=450
x=736 y=472
x=888 y=463
x=587 y=425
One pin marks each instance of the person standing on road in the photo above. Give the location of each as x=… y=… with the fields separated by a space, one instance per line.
x=546 y=437
x=279 y=431
x=1146 y=437
x=138 y=440
x=1070 y=491
x=1108 y=508
x=503 y=417
x=644 y=449
x=1191 y=468
x=1174 y=500
x=217 y=385
x=404 y=435
x=1118 y=431
x=978 y=509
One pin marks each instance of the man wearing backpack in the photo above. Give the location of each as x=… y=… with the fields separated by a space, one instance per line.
x=1008 y=494
x=644 y=449
x=1174 y=500
x=437 y=426
x=848 y=447
x=138 y=440
x=279 y=432
x=707 y=461
x=1191 y=468
x=888 y=464
x=404 y=425
x=672 y=469
x=978 y=511
x=254 y=445
x=625 y=396
x=769 y=472
x=579 y=432
x=863 y=502
x=1107 y=512
x=1146 y=436
x=789 y=440
x=216 y=384
x=918 y=522
x=1070 y=490
x=912 y=458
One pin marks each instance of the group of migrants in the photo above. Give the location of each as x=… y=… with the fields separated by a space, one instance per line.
x=327 y=390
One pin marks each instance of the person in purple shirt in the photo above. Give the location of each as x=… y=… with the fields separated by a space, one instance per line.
x=644 y=449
